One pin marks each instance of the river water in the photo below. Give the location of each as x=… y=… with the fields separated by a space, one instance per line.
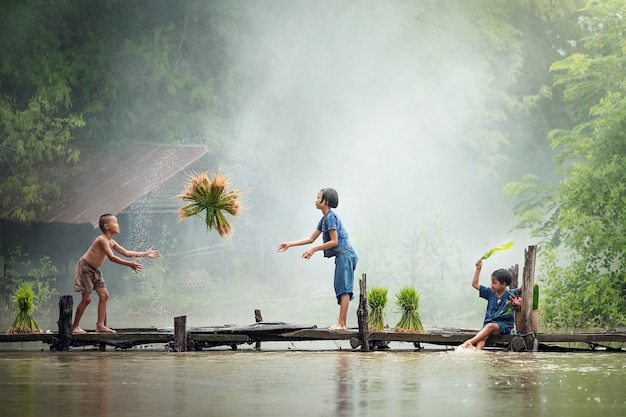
x=310 y=382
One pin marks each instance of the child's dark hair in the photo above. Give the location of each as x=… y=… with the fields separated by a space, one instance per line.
x=104 y=219
x=330 y=197
x=502 y=275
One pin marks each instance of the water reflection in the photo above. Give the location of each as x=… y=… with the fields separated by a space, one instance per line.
x=345 y=386
x=312 y=383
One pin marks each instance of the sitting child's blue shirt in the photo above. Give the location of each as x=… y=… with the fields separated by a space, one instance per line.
x=495 y=309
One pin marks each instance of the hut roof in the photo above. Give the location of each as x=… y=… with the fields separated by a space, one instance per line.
x=110 y=182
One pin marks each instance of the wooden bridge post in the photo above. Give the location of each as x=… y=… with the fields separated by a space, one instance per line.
x=258 y=318
x=180 y=334
x=514 y=270
x=524 y=323
x=363 y=315
x=66 y=305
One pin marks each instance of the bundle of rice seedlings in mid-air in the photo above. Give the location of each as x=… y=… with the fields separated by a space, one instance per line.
x=209 y=198
x=24 y=298
x=377 y=301
x=408 y=301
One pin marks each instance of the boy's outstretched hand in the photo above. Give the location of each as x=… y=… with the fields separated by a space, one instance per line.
x=136 y=266
x=153 y=253
x=479 y=264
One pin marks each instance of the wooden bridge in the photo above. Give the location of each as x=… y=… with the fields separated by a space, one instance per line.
x=180 y=338
x=233 y=336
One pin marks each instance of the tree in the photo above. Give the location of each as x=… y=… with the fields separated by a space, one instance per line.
x=581 y=219
x=109 y=71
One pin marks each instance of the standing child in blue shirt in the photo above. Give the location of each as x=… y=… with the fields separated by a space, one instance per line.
x=498 y=321
x=336 y=244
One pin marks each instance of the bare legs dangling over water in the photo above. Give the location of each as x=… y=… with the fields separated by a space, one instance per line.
x=478 y=341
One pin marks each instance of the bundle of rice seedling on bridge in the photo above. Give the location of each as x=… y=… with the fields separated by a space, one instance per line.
x=410 y=322
x=377 y=301
x=209 y=198
x=25 y=322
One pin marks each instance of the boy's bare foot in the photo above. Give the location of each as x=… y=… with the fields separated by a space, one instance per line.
x=78 y=330
x=104 y=329
x=337 y=327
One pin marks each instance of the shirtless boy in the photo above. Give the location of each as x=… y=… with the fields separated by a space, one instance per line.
x=88 y=276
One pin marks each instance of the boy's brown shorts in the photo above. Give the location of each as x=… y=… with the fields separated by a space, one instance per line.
x=87 y=278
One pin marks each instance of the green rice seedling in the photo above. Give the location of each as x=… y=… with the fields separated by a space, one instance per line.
x=408 y=301
x=377 y=301
x=208 y=197
x=25 y=322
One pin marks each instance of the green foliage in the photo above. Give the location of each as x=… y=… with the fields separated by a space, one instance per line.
x=377 y=301
x=35 y=145
x=535 y=296
x=19 y=272
x=576 y=299
x=104 y=71
x=581 y=220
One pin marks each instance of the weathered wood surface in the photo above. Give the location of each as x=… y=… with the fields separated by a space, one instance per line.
x=285 y=332
x=258 y=318
x=180 y=334
x=528 y=280
x=66 y=305
x=362 y=314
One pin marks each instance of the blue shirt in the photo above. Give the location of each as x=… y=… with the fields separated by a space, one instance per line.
x=495 y=306
x=332 y=222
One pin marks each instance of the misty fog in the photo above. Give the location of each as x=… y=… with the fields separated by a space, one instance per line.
x=379 y=107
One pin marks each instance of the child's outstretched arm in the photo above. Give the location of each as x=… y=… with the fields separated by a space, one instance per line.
x=286 y=245
x=150 y=253
x=475 y=279
x=108 y=250
x=334 y=241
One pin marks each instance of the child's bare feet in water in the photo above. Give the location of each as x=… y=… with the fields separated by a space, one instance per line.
x=337 y=327
x=78 y=330
x=104 y=329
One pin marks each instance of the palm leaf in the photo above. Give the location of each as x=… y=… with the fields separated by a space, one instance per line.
x=494 y=250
